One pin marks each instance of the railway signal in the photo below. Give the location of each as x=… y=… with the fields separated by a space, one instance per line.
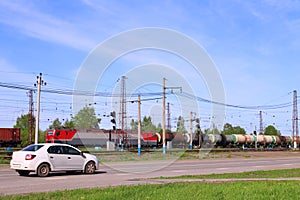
x=113 y=119
x=197 y=120
x=198 y=131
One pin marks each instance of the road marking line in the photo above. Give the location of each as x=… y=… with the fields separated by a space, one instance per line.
x=224 y=168
x=55 y=178
x=178 y=171
x=122 y=174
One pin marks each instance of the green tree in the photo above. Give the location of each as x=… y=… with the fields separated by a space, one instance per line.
x=86 y=118
x=180 y=125
x=271 y=130
x=42 y=136
x=159 y=128
x=134 y=125
x=228 y=129
x=147 y=124
x=56 y=124
x=69 y=124
x=22 y=122
x=239 y=130
x=212 y=131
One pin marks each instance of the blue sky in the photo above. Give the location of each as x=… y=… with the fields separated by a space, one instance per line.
x=254 y=44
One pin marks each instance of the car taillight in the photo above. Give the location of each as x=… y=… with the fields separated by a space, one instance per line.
x=29 y=157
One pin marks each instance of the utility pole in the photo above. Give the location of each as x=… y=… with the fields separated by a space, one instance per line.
x=295 y=131
x=164 y=112
x=40 y=82
x=191 y=130
x=169 y=116
x=123 y=117
x=164 y=115
x=261 y=128
x=30 y=120
x=139 y=125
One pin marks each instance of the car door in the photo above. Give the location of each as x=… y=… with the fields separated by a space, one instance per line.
x=75 y=161
x=57 y=158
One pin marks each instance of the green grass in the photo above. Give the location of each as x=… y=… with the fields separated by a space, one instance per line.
x=215 y=191
x=204 y=190
x=283 y=173
x=3 y=160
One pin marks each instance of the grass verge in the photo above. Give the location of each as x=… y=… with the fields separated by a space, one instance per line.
x=232 y=190
x=282 y=173
x=3 y=160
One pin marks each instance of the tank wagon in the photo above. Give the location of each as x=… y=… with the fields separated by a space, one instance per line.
x=241 y=140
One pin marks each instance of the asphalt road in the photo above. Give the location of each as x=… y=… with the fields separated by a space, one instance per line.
x=129 y=173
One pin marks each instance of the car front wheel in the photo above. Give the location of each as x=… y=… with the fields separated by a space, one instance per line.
x=90 y=168
x=23 y=172
x=43 y=170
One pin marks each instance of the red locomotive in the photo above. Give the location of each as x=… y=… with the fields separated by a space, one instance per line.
x=96 y=137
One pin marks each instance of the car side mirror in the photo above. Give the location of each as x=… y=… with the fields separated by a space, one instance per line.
x=82 y=154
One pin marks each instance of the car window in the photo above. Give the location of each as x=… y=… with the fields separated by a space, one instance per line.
x=50 y=133
x=70 y=150
x=33 y=147
x=55 y=150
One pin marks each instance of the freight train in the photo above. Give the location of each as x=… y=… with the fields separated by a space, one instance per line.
x=94 y=137
x=9 y=137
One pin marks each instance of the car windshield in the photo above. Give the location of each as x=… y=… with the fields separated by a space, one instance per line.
x=33 y=147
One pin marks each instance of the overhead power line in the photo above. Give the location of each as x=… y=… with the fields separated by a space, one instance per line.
x=263 y=107
x=73 y=92
x=151 y=94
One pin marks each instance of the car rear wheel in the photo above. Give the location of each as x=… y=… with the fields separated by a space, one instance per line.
x=23 y=172
x=90 y=168
x=43 y=170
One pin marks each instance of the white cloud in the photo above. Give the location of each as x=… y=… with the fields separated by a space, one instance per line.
x=9 y=73
x=97 y=6
x=32 y=22
x=5 y=66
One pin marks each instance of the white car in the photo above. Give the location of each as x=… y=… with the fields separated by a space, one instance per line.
x=45 y=157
